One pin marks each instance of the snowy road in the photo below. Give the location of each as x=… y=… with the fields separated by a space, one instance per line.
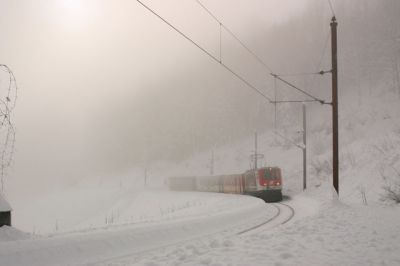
x=113 y=243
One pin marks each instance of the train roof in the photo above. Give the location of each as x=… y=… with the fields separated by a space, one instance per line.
x=261 y=168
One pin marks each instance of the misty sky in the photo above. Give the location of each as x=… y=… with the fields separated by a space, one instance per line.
x=101 y=81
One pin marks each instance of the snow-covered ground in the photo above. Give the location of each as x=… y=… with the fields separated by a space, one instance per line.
x=332 y=233
x=202 y=215
x=120 y=221
x=204 y=229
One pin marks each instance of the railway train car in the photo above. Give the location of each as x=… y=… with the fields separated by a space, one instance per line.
x=265 y=183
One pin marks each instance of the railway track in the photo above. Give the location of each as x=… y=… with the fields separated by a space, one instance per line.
x=283 y=215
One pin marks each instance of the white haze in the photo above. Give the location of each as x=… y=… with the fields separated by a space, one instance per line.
x=106 y=87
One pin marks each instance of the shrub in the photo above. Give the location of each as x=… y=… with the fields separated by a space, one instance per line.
x=392 y=187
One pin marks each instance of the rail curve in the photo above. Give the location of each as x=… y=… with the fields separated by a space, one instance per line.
x=283 y=215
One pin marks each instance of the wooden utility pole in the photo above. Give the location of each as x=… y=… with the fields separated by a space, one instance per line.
x=335 y=123
x=305 y=147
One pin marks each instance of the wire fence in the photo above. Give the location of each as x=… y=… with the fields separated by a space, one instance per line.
x=8 y=99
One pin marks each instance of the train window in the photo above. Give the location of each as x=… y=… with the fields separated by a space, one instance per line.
x=272 y=173
x=268 y=174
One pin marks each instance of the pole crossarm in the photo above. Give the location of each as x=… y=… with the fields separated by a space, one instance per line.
x=297 y=88
x=323 y=72
x=295 y=101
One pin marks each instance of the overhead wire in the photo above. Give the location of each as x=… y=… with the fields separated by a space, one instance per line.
x=234 y=36
x=220 y=43
x=323 y=53
x=275 y=102
x=315 y=99
x=276 y=76
x=207 y=52
x=254 y=54
x=289 y=140
x=269 y=99
x=318 y=71
x=331 y=7
x=297 y=88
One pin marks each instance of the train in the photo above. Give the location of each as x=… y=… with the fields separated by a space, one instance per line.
x=264 y=183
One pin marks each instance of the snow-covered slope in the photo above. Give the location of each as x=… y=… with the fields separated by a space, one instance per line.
x=186 y=217
x=100 y=214
x=370 y=141
x=336 y=234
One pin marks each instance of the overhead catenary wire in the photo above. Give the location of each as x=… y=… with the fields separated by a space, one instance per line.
x=220 y=43
x=331 y=7
x=318 y=70
x=269 y=99
x=234 y=36
x=301 y=146
x=323 y=53
x=297 y=88
x=321 y=72
x=315 y=99
x=231 y=70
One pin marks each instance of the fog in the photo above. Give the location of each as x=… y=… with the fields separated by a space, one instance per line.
x=105 y=86
x=113 y=102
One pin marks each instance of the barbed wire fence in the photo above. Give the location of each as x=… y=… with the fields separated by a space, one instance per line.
x=8 y=99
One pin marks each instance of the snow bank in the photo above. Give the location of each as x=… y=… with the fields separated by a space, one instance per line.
x=337 y=234
x=11 y=234
x=227 y=215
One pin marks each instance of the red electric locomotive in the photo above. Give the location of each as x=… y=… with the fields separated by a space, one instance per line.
x=265 y=183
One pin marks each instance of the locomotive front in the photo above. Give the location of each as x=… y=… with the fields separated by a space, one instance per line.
x=268 y=184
